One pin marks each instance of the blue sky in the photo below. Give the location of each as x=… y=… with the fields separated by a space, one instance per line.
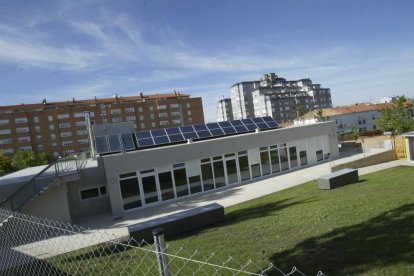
x=362 y=50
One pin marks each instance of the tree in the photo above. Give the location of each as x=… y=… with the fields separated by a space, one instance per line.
x=319 y=116
x=395 y=118
x=354 y=132
x=6 y=165
x=24 y=159
x=300 y=110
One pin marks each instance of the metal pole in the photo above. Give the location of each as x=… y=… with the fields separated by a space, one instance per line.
x=159 y=242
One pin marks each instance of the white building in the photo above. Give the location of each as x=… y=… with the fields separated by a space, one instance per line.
x=224 y=110
x=276 y=97
x=362 y=116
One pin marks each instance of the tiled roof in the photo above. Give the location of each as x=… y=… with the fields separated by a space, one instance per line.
x=95 y=101
x=347 y=109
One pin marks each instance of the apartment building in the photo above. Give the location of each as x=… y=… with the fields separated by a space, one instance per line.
x=59 y=128
x=224 y=110
x=277 y=97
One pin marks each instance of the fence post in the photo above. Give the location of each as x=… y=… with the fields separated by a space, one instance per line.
x=159 y=241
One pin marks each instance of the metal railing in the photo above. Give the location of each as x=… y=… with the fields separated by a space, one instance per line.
x=36 y=185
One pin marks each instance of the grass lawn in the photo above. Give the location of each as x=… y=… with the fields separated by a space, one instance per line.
x=365 y=228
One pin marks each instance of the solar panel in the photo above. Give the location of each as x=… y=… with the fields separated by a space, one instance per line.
x=143 y=134
x=250 y=127
x=114 y=143
x=262 y=125
x=161 y=140
x=229 y=130
x=146 y=142
x=247 y=121
x=176 y=138
x=272 y=124
x=217 y=132
x=158 y=132
x=101 y=145
x=268 y=119
x=190 y=135
x=174 y=130
x=212 y=125
x=186 y=129
x=236 y=122
x=127 y=141
x=200 y=127
x=241 y=129
x=224 y=124
x=204 y=134
x=258 y=120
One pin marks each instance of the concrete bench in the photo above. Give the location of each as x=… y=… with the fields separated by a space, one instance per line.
x=178 y=223
x=338 y=179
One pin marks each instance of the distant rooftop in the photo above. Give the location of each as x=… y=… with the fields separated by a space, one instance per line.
x=96 y=100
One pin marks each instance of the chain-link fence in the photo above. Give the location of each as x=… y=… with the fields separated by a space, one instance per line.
x=37 y=246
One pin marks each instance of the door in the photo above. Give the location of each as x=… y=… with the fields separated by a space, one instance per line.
x=231 y=171
x=149 y=188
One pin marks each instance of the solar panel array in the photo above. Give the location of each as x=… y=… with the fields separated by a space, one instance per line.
x=158 y=137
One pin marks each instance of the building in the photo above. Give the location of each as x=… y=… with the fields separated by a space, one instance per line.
x=123 y=181
x=224 y=110
x=59 y=128
x=409 y=144
x=276 y=97
x=362 y=116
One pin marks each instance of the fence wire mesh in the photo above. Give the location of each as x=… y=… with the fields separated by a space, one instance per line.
x=37 y=246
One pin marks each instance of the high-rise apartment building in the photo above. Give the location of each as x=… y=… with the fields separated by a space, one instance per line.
x=60 y=127
x=275 y=96
x=224 y=110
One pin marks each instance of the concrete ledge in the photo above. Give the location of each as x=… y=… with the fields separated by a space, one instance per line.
x=178 y=223
x=338 y=179
x=370 y=160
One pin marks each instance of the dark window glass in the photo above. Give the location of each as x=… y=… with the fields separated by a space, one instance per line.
x=89 y=193
x=256 y=170
x=166 y=186
x=274 y=160
x=103 y=190
x=181 y=186
x=219 y=174
x=284 y=162
x=303 y=158
x=207 y=174
x=293 y=157
x=125 y=175
x=130 y=193
x=244 y=168
x=264 y=160
x=319 y=155
x=231 y=168
x=150 y=189
x=195 y=184
x=326 y=155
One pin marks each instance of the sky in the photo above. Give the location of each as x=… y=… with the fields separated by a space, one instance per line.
x=59 y=50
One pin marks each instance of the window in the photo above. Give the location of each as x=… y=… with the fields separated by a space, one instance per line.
x=293 y=157
x=93 y=193
x=151 y=108
x=62 y=116
x=50 y=118
x=176 y=121
x=64 y=125
x=140 y=109
x=82 y=132
x=264 y=160
x=319 y=155
x=162 y=107
x=174 y=105
x=142 y=125
x=51 y=127
x=161 y=115
x=116 y=119
x=188 y=105
x=175 y=113
x=195 y=184
x=207 y=175
x=244 y=166
x=78 y=115
x=164 y=123
x=23 y=139
x=81 y=123
x=189 y=112
x=5 y=131
x=166 y=186
x=303 y=158
x=66 y=134
x=116 y=111
x=67 y=143
x=20 y=120
x=129 y=110
x=141 y=117
x=4 y=122
x=25 y=148
x=180 y=178
x=83 y=141
x=130 y=118
x=22 y=129
x=5 y=141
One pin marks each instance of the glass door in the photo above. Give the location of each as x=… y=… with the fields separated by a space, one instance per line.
x=231 y=169
x=149 y=188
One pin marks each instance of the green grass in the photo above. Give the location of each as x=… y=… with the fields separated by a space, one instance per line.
x=364 y=228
